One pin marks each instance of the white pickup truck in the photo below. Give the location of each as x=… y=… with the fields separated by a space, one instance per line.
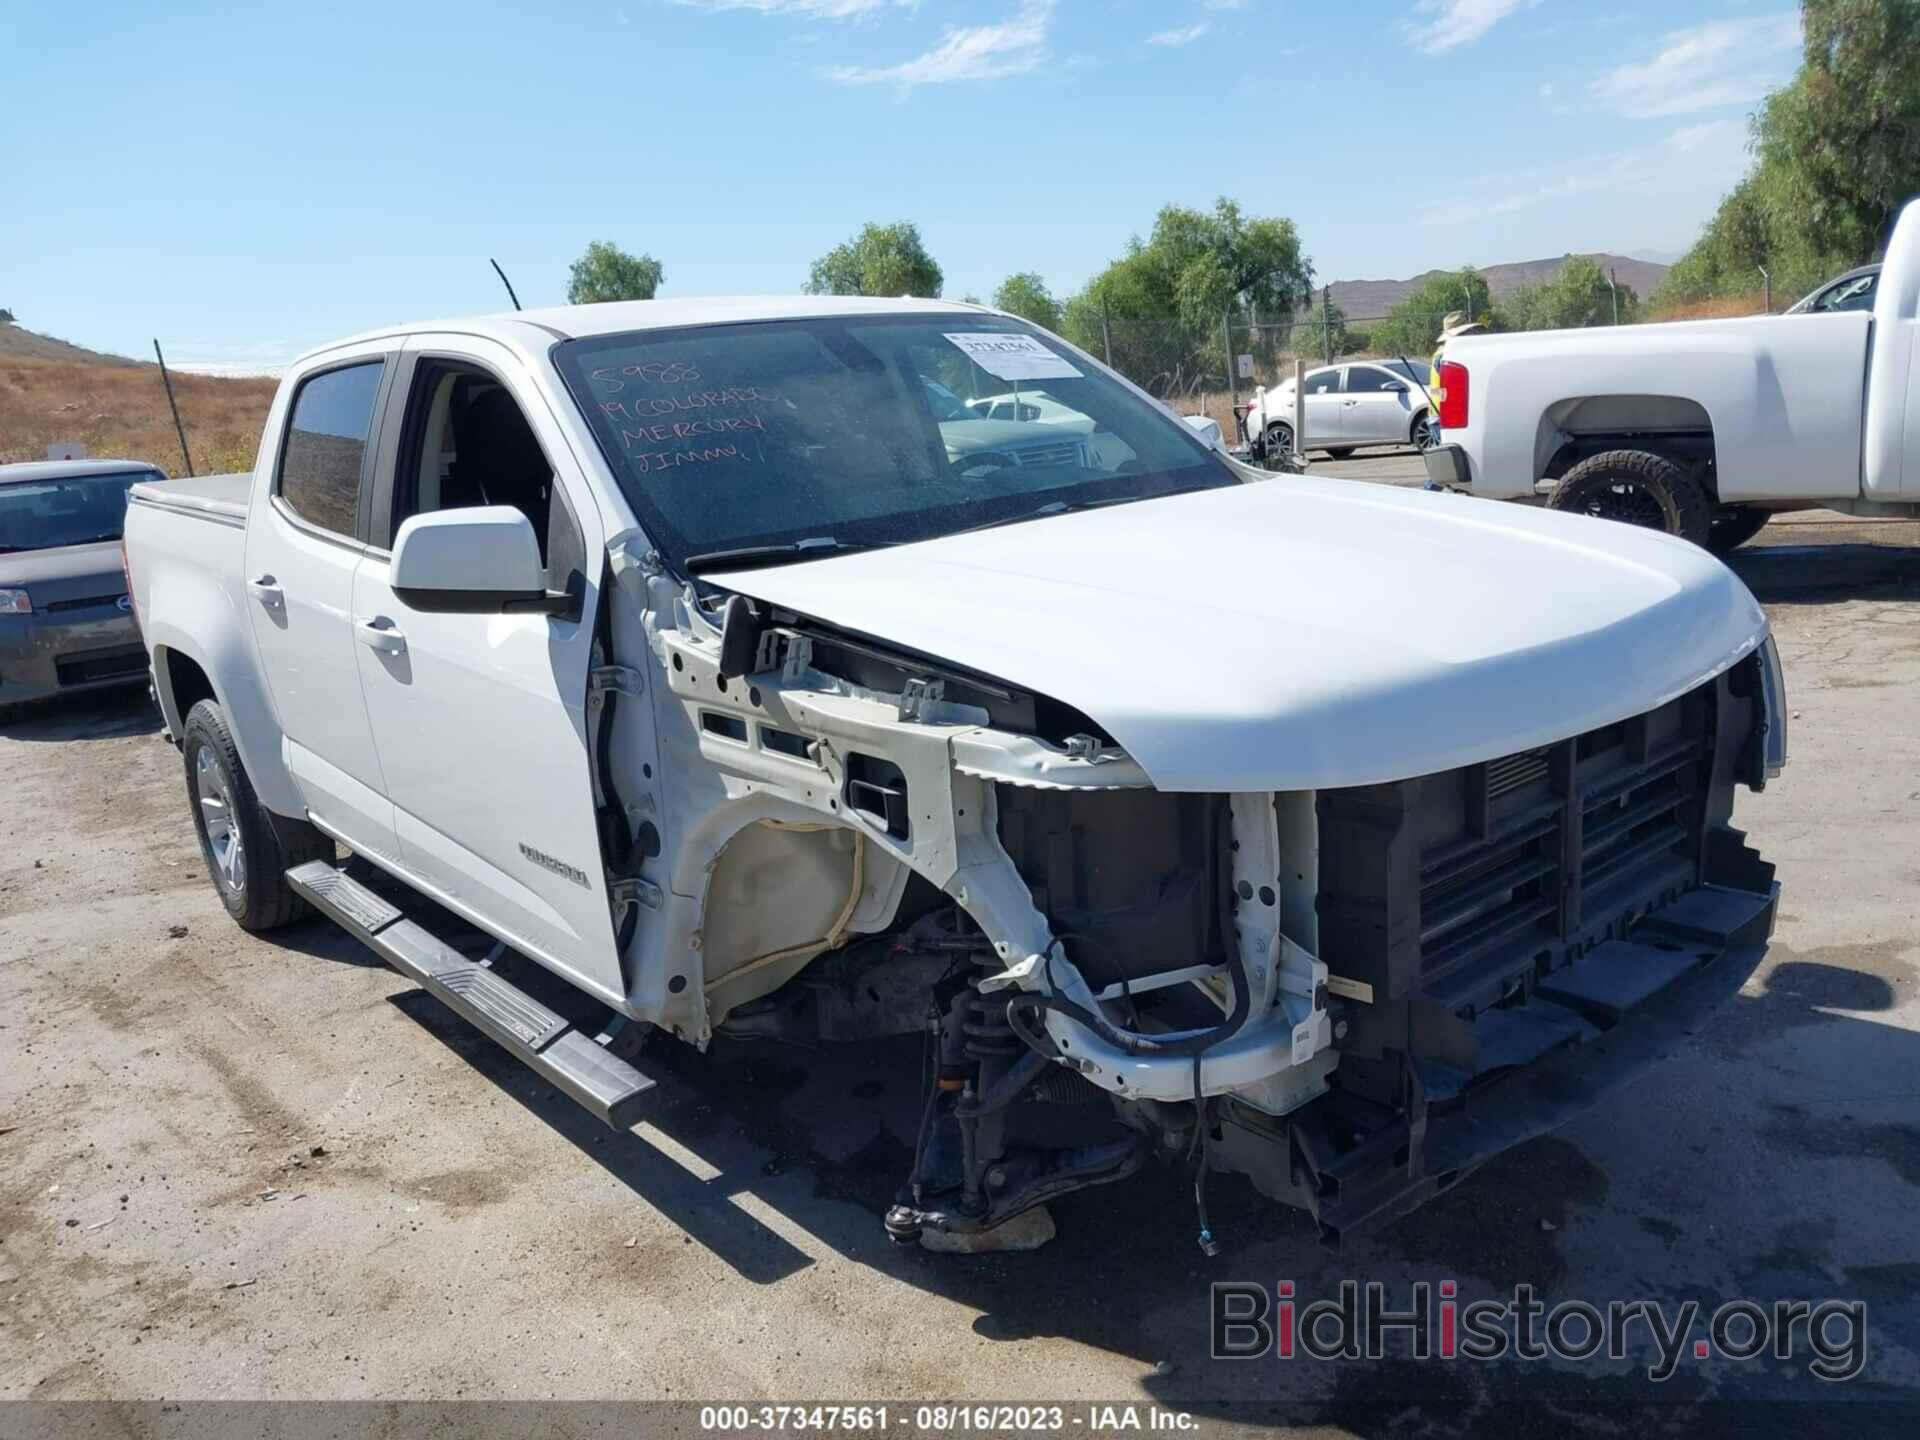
x=1704 y=428
x=668 y=667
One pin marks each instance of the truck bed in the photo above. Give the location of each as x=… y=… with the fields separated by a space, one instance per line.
x=222 y=497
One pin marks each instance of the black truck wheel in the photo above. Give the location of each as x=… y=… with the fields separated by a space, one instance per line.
x=1734 y=525
x=1636 y=487
x=247 y=850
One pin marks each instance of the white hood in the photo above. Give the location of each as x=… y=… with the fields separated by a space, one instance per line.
x=1299 y=633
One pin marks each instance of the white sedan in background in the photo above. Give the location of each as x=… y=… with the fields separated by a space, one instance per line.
x=1360 y=402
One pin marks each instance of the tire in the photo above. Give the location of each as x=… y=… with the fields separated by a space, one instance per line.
x=1734 y=525
x=1343 y=453
x=1425 y=434
x=1636 y=487
x=1279 y=444
x=247 y=850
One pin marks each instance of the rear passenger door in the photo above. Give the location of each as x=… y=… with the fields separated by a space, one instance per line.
x=481 y=718
x=1322 y=407
x=304 y=542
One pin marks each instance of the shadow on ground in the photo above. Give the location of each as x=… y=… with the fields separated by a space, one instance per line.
x=824 y=1136
x=90 y=715
x=1827 y=574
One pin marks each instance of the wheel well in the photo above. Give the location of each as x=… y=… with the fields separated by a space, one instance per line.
x=187 y=683
x=1583 y=426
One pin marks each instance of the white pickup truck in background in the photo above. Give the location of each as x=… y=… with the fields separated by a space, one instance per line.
x=1701 y=428
x=695 y=667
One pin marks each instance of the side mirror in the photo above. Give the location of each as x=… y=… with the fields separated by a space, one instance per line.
x=1394 y=387
x=1207 y=429
x=478 y=560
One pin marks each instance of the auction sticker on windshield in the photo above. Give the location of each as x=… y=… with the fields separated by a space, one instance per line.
x=1013 y=357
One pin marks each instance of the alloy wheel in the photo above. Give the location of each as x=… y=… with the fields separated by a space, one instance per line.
x=224 y=841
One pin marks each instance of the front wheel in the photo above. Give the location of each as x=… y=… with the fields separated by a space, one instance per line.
x=1636 y=487
x=247 y=851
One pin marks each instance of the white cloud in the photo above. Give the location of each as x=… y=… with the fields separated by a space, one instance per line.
x=966 y=52
x=1184 y=35
x=805 y=9
x=1694 y=160
x=1437 y=26
x=1724 y=62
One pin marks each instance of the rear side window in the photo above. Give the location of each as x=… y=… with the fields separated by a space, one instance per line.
x=326 y=448
x=1325 y=383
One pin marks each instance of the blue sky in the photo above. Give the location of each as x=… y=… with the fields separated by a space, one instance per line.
x=246 y=180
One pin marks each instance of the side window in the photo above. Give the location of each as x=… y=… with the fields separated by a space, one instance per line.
x=1324 y=383
x=326 y=446
x=466 y=442
x=1367 y=380
x=1856 y=294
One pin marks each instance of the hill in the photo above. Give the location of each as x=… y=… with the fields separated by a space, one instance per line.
x=1369 y=299
x=17 y=342
x=118 y=410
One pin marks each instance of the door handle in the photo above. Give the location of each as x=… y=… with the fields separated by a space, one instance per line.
x=381 y=634
x=267 y=591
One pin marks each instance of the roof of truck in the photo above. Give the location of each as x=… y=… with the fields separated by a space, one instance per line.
x=571 y=322
x=70 y=469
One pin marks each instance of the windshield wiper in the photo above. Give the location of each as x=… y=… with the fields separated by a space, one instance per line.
x=788 y=550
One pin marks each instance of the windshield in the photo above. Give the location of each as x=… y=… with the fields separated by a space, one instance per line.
x=46 y=514
x=865 y=430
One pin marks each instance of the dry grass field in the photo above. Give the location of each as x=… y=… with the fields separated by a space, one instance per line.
x=120 y=412
x=1724 y=307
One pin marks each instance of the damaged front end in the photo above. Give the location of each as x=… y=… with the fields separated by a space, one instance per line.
x=1350 y=995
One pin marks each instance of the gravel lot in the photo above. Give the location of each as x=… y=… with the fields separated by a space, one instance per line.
x=239 y=1168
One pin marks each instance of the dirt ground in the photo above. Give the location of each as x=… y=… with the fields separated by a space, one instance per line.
x=233 y=1167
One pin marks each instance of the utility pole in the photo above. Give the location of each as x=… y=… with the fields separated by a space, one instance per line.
x=1106 y=335
x=1766 y=280
x=173 y=405
x=1614 y=286
x=1326 y=321
x=1226 y=334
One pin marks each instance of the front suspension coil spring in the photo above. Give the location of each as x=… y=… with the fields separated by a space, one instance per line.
x=988 y=1035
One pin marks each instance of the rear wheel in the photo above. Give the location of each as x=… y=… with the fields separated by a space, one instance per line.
x=1734 y=525
x=1636 y=487
x=1425 y=434
x=1279 y=444
x=247 y=851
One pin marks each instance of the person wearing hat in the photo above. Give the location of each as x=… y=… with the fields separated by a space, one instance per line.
x=1454 y=323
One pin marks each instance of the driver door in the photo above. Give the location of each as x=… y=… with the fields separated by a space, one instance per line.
x=1374 y=408
x=481 y=718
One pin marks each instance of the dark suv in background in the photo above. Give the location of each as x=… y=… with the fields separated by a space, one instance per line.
x=66 y=621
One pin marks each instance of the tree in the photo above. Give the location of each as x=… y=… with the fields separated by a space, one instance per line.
x=1849 y=124
x=880 y=260
x=1836 y=152
x=1412 y=328
x=1165 y=304
x=1577 y=295
x=606 y=272
x=1026 y=295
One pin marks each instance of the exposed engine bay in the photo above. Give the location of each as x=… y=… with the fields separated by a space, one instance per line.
x=1337 y=993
